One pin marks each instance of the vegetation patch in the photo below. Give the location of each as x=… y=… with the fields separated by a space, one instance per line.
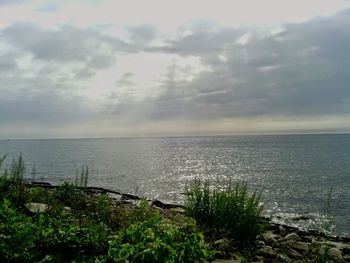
x=228 y=211
x=82 y=227
x=68 y=223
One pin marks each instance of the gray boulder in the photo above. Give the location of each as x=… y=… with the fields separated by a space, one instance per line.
x=36 y=208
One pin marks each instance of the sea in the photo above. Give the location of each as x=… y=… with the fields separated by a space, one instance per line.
x=304 y=180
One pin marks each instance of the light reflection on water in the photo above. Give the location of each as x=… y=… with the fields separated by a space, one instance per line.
x=294 y=172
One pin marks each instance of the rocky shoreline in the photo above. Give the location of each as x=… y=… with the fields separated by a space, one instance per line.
x=280 y=243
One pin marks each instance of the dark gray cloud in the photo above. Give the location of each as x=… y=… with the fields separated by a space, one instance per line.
x=303 y=71
x=57 y=65
x=12 y=2
x=8 y=62
x=64 y=45
x=142 y=35
x=39 y=100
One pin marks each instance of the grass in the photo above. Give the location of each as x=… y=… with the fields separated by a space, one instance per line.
x=93 y=229
x=229 y=211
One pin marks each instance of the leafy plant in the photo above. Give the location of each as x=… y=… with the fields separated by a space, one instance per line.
x=16 y=231
x=155 y=240
x=318 y=253
x=69 y=195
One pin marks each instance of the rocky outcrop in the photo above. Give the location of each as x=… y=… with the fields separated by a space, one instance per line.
x=289 y=244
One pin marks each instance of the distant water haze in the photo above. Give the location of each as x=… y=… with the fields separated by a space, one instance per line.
x=298 y=175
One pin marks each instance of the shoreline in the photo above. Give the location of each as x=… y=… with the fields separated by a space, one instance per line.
x=279 y=243
x=166 y=205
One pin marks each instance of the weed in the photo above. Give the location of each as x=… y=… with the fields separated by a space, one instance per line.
x=82 y=180
x=12 y=184
x=318 y=253
x=154 y=240
x=231 y=211
x=16 y=231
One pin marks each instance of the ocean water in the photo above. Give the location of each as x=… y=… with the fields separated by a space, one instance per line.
x=297 y=175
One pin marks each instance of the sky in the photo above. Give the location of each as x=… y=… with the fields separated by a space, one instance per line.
x=89 y=68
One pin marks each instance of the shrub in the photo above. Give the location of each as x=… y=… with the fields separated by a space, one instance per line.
x=155 y=240
x=150 y=238
x=231 y=210
x=69 y=195
x=17 y=234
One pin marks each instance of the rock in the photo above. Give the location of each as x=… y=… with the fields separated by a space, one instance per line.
x=292 y=236
x=226 y=261
x=346 y=250
x=335 y=254
x=296 y=245
x=300 y=218
x=67 y=209
x=283 y=258
x=267 y=252
x=282 y=231
x=36 y=208
x=178 y=210
x=269 y=238
x=290 y=252
x=346 y=258
x=308 y=239
x=220 y=241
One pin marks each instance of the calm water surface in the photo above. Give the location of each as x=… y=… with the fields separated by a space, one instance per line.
x=296 y=174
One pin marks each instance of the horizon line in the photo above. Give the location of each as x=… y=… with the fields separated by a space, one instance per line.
x=180 y=136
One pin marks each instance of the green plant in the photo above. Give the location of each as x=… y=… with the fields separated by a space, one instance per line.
x=142 y=212
x=38 y=195
x=12 y=184
x=17 y=234
x=69 y=195
x=82 y=180
x=318 y=253
x=99 y=209
x=156 y=240
x=230 y=210
x=327 y=226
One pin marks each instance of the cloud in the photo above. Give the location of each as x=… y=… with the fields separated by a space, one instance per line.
x=66 y=44
x=142 y=35
x=11 y=2
x=301 y=71
x=8 y=62
x=205 y=74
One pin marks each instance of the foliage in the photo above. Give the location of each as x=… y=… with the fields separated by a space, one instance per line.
x=12 y=182
x=82 y=180
x=156 y=240
x=15 y=234
x=92 y=229
x=319 y=253
x=230 y=210
x=69 y=195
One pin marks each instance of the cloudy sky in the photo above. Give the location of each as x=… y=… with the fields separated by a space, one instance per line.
x=95 y=68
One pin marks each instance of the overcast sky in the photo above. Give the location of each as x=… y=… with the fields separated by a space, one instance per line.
x=156 y=68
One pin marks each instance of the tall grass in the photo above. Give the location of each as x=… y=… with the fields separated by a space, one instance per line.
x=82 y=180
x=12 y=181
x=230 y=210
